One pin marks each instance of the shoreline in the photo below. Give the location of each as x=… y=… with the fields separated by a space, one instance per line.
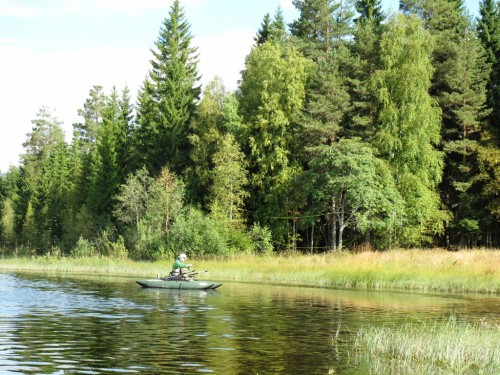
x=468 y=271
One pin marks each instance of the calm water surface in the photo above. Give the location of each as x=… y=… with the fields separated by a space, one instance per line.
x=98 y=325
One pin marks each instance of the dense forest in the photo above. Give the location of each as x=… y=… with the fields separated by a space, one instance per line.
x=349 y=128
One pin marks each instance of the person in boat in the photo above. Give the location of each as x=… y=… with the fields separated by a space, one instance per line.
x=179 y=268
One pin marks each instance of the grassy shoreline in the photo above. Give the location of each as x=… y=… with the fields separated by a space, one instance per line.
x=475 y=271
x=440 y=347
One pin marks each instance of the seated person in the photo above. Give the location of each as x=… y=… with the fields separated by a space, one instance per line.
x=179 y=267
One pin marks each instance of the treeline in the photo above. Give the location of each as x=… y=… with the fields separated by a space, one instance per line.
x=349 y=128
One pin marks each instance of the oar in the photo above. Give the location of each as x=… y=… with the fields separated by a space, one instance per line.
x=196 y=273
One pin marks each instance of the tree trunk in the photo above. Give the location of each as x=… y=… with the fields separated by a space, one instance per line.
x=334 y=225
x=312 y=239
x=341 y=224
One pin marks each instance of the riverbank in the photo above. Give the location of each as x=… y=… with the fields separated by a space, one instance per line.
x=475 y=271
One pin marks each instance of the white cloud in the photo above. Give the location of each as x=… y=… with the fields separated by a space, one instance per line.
x=14 y=9
x=223 y=55
x=61 y=80
x=287 y=5
x=84 y=8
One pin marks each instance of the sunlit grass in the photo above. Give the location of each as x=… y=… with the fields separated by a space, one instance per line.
x=442 y=347
x=425 y=270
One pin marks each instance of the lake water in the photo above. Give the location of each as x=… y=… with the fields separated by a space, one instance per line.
x=110 y=325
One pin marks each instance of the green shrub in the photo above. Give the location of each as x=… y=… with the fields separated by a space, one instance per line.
x=239 y=241
x=83 y=249
x=262 y=239
x=197 y=234
x=118 y=249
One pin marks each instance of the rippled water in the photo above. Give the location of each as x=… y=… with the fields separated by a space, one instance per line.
x=92 y=325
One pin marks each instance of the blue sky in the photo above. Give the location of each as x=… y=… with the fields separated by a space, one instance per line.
x=53 y=51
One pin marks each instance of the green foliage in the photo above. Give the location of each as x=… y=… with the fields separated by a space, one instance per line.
x=369 y=10
x=271 y=29
x=229 y=180
x=272 y=93
x=133 y=198
x=332 y=129
x=261 y=239
x=349 y=183
x=195 y=234
x=407 y=131
x=321 y=25
x=167 y=102
x=109 y=157
x=206 y=132
x=108 y=244
x=86 y=133
x=8 y=197
x=151 y=206
x=83 y=249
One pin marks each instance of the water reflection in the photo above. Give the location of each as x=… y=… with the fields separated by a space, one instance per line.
x=90 y=325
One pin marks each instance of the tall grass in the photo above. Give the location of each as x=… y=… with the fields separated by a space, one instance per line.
x=423 y=270
x=426 y=270
x=449 y=347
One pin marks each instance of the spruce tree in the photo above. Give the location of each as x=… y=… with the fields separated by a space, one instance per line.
x=43 y=183
x=365 y=61
x=465 y=117
x=263 y=33
x=489 y=143
x=489 y=33
x=105 y=177
x=271 y=29
x=168 y=98
x=369 y=10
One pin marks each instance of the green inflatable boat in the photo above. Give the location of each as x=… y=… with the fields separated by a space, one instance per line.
x=178 y=284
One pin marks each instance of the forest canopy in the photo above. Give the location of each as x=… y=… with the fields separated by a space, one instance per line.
x=349 y=128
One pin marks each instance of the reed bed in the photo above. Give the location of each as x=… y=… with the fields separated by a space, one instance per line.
x=424 y=270
x=438 y=348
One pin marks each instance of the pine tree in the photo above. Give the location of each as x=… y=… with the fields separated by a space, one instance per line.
x=85 y=134
x=321 y=29
x=168 y=98
x=322 y=24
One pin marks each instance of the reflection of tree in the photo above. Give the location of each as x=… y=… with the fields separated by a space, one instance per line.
x=240 y=330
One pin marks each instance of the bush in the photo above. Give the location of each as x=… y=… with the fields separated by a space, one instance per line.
x=83 y=249
x=197 y=234
x=107 y=247
x=239 y=241
x=262 y=239
x=118 y=249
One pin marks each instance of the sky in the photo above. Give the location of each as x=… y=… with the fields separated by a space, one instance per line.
x=52 y=52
